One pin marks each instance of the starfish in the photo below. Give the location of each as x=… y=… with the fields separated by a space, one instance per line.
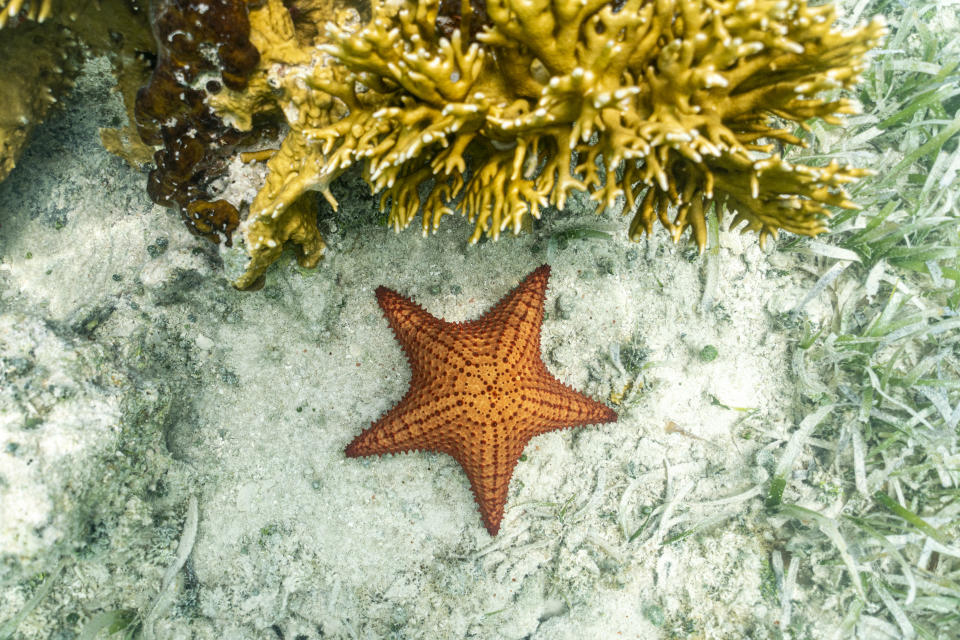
x=479 y=391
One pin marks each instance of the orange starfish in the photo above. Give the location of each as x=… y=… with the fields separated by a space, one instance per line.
x=479 y=391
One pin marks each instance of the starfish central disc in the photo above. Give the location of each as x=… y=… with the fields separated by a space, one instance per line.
x=479 y=391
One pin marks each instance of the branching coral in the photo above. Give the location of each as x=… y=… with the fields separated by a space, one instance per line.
x=39 y=10
x=676 y=96
x=293 y=81
x=671 y=104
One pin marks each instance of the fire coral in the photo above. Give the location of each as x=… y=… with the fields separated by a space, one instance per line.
x=499 y=110
x=38 y=10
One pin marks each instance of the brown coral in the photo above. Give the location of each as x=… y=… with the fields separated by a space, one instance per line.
x=201 y=48
x=30 y=84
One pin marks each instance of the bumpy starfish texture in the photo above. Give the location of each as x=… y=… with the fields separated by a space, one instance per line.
x=479 y=391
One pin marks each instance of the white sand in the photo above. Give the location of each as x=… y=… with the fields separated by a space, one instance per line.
x=269 y=387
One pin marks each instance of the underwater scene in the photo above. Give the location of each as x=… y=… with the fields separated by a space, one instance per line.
x=479 y=319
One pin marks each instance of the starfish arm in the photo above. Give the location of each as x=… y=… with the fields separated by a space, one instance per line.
x=489 y=472
x=560 y=407
x=517 y=318
x=405 y=427
x=418 y=332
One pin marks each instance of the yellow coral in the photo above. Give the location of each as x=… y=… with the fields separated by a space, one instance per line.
x=40 y=63
x=39 y=10
x=674 y=95
x=285 y=81
x=672 y=104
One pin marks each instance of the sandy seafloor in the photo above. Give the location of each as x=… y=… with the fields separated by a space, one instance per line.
x=136 y=377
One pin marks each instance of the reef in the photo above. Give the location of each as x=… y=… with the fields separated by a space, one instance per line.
x=501 y=109
x=201 y=48
x=498 y=109
x=295 y=83
x=24 y=10
x=30 y=85
x=42 y=46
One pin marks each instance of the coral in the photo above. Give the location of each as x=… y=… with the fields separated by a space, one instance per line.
x=678 y=94
x=121 y=30
x=672 y=104
x=294 y=83
x=25 y=9
x=201 y=47
x=41 y=60
x=30 y=84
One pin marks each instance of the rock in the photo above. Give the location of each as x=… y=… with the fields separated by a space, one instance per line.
x=59 y=420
